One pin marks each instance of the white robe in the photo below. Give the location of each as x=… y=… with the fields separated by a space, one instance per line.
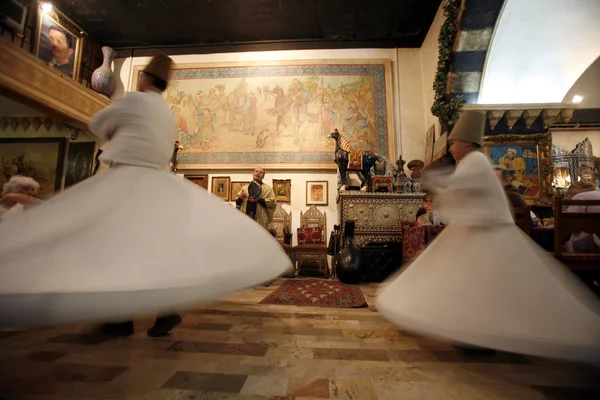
x=132 y=240
x=483 y=282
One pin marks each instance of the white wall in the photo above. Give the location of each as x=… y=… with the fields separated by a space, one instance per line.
x=568 y=139
x=539 y=49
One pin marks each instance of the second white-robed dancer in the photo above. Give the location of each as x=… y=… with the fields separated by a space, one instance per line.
x=134 y=239
x=482 y=282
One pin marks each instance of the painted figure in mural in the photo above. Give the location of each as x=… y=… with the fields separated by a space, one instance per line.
x=280 y=109
x=252 y=114
x=299 y=112
x=180 y=122
x=326 y=115
x=356 y=119
x=240 y=106
x=221 y=113
x=207 y=131
x=261 y=138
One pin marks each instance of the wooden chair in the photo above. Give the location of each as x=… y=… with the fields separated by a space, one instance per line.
x=282 y=223
x=585 y=266
x=566 y=223
x=315 y=249
x=523 y=219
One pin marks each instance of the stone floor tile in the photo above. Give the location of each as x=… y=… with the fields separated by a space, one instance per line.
x=222 y=383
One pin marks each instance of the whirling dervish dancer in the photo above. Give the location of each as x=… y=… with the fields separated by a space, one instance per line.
x=483 y=282
x=131 y=240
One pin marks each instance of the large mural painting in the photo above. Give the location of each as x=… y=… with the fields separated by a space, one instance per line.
x=279 y=114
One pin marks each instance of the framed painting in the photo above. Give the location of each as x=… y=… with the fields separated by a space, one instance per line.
x=39 y=158
x=282 y=189
x=80 y=162
x=236 y=187
x=279 y=113
x=316 y=193
x=429 y=141
x=221 y=186
x=200 y=180
x=527 y=158
x=59 y=42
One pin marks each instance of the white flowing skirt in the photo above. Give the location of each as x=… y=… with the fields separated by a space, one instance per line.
x=495 y=288
x=129 y=241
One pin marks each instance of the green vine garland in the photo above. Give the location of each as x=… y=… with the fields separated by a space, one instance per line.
x=446 y=107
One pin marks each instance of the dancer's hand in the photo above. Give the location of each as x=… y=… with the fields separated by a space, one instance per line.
x=243 y=196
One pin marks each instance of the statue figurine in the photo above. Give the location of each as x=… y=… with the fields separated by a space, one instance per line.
x=400 y=164
x=173 y=162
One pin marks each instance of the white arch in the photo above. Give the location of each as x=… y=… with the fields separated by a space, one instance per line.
x=539 y=49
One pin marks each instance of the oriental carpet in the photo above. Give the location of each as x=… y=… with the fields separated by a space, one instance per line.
x=317 y=293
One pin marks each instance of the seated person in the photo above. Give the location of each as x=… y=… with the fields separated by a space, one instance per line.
x=17 y=194
x=425 y=213
x=577 y=187
x=582 y=242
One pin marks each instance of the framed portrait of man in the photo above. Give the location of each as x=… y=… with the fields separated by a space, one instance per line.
x=58 y=43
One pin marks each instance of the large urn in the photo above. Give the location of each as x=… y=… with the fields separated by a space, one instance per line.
x=348 y=265
x=103 y=78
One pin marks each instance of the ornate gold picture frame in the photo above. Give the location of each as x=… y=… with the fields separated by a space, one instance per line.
x=58 y=38
x=282 y=189
x=220 y=187
x=527 y=158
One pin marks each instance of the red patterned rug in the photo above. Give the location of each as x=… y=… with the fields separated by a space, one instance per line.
x=316 y=293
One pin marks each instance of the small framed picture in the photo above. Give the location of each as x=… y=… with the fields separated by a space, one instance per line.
x=236 y=187
x=282 y=189
x=316 y=193
x=80 y=162
x=59 y=42
x=220 y=187
x=200 y=180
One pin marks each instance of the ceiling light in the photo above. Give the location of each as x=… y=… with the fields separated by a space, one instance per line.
x=577 y=98
x=47 y=7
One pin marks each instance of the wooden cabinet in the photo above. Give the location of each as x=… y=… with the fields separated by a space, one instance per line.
x=378 y=216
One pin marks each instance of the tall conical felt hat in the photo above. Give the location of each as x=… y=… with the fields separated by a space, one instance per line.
x=469 y=127
x=159 y=67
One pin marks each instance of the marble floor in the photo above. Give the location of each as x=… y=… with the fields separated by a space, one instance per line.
x=239 y=349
